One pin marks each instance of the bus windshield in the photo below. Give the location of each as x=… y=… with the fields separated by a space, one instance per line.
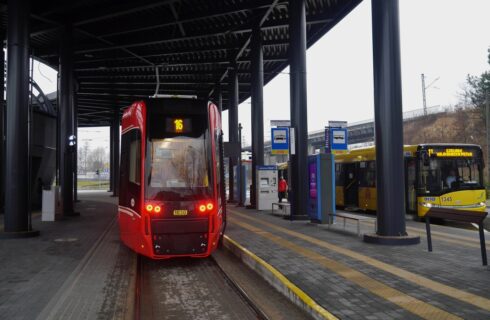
x=443 y=175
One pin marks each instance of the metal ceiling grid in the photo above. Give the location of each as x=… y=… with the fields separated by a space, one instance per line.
x=118 y=44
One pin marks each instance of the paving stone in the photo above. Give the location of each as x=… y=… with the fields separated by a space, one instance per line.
x=451 y=264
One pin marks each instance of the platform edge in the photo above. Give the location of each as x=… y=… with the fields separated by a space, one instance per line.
x=278 y=280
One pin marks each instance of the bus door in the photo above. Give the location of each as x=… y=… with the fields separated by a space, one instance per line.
x=351 y=185
x=410 y=185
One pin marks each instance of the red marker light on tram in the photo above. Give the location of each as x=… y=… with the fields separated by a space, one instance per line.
x=149 y=207
x=157 y=209
x=202 y=208
x=210 y=206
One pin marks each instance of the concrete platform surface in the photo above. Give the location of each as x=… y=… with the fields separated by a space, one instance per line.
x=355 y=280
x=76 y=268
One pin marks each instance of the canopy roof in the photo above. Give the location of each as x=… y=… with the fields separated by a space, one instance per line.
x=118 y=45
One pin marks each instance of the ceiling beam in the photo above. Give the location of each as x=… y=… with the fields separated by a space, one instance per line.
x=216 y=13
x=114 y=13
x=247 y=42
x=88 y=34
x=181 y=62
x=176 y=16
x=222 y=32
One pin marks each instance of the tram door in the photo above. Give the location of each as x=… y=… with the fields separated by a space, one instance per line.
x=130 y=178
x=351 y=185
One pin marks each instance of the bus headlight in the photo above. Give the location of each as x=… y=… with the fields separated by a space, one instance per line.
x=427 y=204
x=483 y=204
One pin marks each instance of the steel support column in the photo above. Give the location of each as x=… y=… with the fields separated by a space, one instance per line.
x=388 y=126
x=17 y=222
x=299 y=119
x=66 y=114
x=2 y=125
x=115 y=152
x=111 y=160
x=75 y=157
x=232 y=123
x=257 y=96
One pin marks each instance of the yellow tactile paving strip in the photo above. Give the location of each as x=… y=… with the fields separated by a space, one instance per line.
x=475 y=300
x=325 y=314
x=409 y=303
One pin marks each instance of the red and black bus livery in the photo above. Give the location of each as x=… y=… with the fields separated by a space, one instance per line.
x=171 y=201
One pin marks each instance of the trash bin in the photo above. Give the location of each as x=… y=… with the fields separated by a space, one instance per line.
x=50 y=204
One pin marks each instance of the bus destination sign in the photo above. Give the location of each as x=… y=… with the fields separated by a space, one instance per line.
x=450 y=152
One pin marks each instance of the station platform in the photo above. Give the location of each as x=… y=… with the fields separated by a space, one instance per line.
x=78 y=269
x=75 y=269
x=337 y=275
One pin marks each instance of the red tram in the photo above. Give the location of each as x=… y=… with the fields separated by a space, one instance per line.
x=172 y=201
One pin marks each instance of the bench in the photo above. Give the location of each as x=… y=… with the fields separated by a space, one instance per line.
x=283 y=206
x=460 y=216
x=354 y=217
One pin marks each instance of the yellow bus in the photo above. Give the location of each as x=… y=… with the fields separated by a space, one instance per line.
x=436 y=175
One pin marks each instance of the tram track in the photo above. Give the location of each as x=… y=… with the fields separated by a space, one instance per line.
x=190 y=289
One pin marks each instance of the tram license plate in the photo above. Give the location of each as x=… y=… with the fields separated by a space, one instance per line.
x=180 y=212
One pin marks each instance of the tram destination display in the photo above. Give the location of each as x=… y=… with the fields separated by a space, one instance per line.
x=178 y=125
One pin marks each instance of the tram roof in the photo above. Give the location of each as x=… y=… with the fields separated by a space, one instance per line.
x=118 y=43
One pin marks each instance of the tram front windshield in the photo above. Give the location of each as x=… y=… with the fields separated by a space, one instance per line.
x=442 y=175
x=177 y=166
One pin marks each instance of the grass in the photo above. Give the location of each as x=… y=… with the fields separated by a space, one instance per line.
x=93 y=185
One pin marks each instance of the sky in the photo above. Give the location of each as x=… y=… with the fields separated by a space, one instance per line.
x=444 y=39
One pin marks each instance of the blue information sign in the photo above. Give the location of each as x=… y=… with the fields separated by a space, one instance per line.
x=338 y=138
x=280 y=140
x=335 y=139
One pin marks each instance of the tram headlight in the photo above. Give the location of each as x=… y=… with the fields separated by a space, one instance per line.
x=149 y=207
x=210 y=206
x=157 y=209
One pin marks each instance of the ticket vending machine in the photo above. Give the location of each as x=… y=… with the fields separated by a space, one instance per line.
x=266 y=191
x=321 y=188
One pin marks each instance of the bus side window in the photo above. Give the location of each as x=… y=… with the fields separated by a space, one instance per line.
x=371 y=174
x=363 y=174
x=339 y=174
x=410 y=187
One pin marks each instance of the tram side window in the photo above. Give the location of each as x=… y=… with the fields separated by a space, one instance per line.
x=135 y=161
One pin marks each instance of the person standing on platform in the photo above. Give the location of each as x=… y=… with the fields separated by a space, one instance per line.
x=283 y=188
